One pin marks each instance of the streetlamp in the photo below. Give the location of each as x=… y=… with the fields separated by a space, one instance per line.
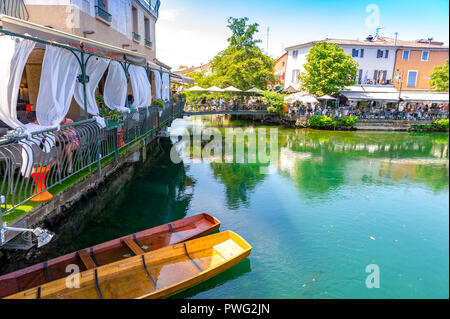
x=86 y=32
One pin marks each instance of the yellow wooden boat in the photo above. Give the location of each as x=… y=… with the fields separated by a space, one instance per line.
x=159 y=273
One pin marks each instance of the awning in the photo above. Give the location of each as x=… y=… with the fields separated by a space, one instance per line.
x=195 y=88
x=180 y=79
x=371 y=96
x=300 y=97
x=40 y=32
x=425 y=97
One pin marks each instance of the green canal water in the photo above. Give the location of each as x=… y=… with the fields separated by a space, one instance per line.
x=333 y=203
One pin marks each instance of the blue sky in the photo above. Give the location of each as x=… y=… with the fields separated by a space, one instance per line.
x=192 y=32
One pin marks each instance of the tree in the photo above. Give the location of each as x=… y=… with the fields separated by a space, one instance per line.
x=328 y=69
x=275 y=102
x=439 y=78
x=242 y=64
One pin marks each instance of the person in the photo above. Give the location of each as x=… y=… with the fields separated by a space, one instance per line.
x=69 y=142
x=32 y=118
x=231 y=103
x=213 y=103
x=130 y=101
x=221 y=103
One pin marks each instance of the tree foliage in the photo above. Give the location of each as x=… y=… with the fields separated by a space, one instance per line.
x=242 y=64
x=275 y=102
x=328 y=69
x=439 y=78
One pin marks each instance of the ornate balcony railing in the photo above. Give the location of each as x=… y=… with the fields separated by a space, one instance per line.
x=14 y=8
x=32 y=165
x=151 y=5
x=148 y=43
x=136 y=36
x=102 y=13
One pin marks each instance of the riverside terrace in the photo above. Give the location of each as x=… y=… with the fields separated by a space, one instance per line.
x=31 y=165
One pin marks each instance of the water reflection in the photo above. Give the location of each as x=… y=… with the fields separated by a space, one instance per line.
x=320 y=162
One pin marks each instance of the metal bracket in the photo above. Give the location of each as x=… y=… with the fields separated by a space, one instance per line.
x=80 y=78
x=43 y=236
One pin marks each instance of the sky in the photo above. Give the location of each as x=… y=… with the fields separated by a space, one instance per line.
x=192 y=32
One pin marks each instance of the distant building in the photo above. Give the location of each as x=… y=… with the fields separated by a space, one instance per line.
x=416 y=61
x=279 y=69
x=206 y=68
x=376 y=58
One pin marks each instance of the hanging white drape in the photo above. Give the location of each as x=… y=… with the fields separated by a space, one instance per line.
x=165 y=87
x=14 y=53
x=115 y=92
x=60 y=69
x=95 y=69
x=142 y=90
x=157 y=84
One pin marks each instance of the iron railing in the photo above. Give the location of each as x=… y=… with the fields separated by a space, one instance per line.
x=30 y=165
x=136 y=36
x=148 y=43
x=14 y=8
x=102 y=13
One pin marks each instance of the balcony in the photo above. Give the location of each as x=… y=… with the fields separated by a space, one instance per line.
x=151 y=5
x=103 y=14
x=136 y=37
x=148 y=43
x=14 y=8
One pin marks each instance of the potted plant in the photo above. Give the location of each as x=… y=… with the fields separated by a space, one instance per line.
x=113 y=118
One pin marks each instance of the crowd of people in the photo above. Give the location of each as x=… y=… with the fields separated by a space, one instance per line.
x=401 y=111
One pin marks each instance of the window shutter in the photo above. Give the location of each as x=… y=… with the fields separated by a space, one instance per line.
x=375 y=75
x=362 y=53
x=387 y=54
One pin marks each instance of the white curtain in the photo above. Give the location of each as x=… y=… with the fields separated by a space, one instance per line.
x=95 y=69
x=157 y=84
x=14 y=53
x=165 y=87
x=142 y=90
x=115 y=92
x=60 y=69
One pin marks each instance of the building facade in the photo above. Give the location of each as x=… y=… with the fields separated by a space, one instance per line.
x=414 y=65
x=378 y=59
x=279 y=69
x=128 y=24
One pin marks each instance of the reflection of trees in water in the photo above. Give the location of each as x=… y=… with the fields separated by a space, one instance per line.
x=239 y=180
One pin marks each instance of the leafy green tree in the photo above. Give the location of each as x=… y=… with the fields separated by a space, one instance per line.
x=439 y=78
x=328 y=69
x=275 y=102
x=242 y=64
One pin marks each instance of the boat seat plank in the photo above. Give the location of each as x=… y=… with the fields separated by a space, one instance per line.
x=86 y=259
x=131 y=244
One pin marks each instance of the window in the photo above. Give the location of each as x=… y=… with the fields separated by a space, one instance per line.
x=354 y=53
x=135 y=19
x=282 y=63
x=147 y=28
x=425 y=55
x=295 y=74
x=101 y=10
x=405 y=55
x=379 y=54
x=412 y=78
x=386 y=54
x=103 y=4
x=361 y=53
x=295 y=54
x=360 y=76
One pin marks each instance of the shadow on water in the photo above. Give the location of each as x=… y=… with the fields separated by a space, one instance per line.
x=233 y=273
x=139 y=197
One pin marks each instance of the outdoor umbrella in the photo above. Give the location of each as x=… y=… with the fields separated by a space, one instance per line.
x=254 y=90
x=300 y=97
x=326 y=97
x=214 y=89
x=231 y=89
x=195 y=88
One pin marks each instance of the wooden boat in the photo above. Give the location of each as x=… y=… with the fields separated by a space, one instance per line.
x=156 y=274
x=109 y=252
